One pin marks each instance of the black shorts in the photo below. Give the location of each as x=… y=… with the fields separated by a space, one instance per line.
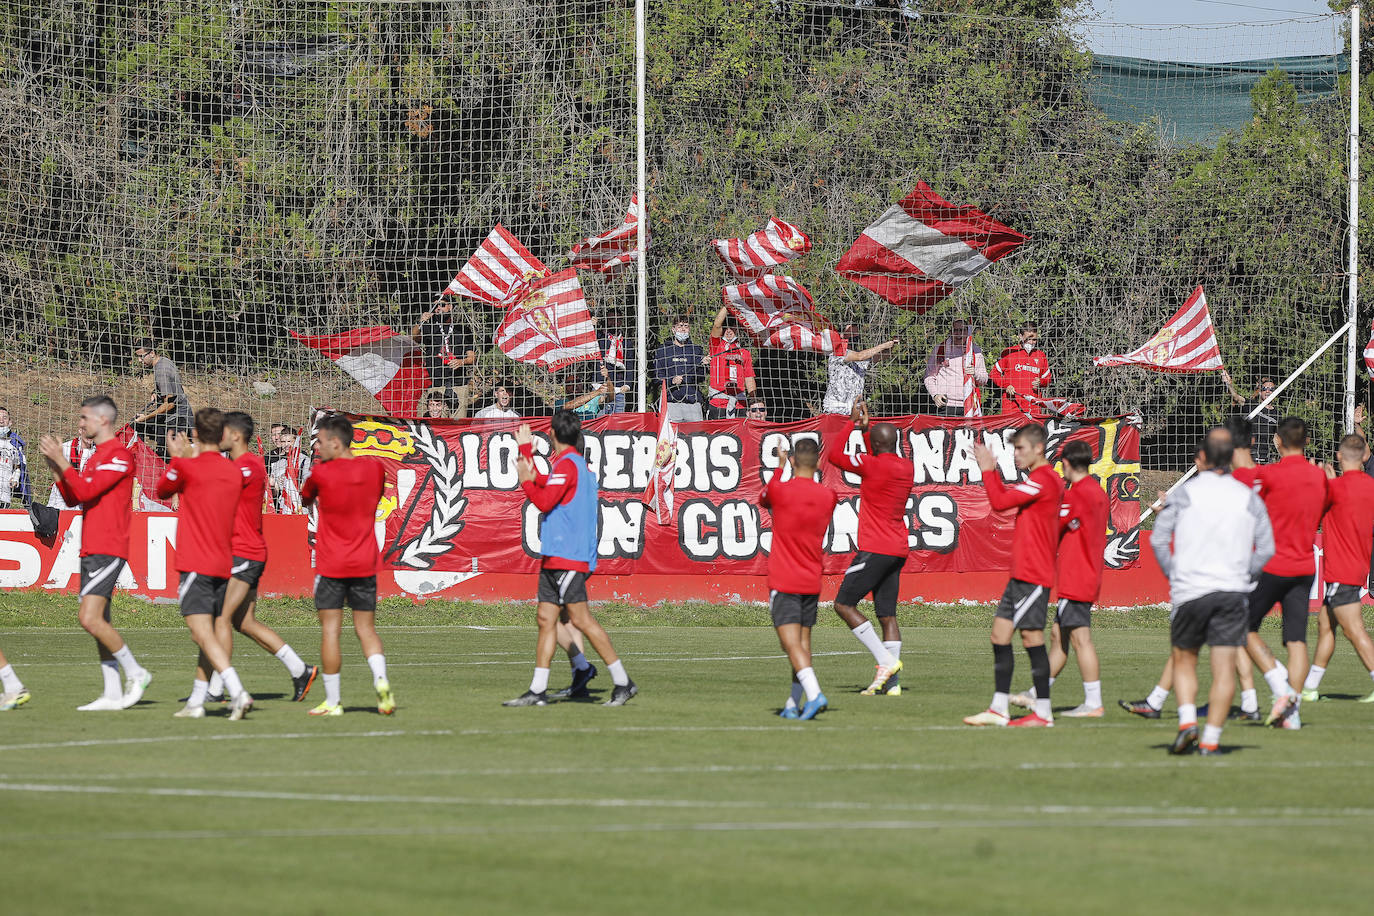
x=1070 y=614
x=249 y=571
x=99 y=573
x=1218 y=619
x=1339 y=595
x=786 y=607
x=201 y=594
x=1025 y=605
x=359 y=593
x=872 y=573
x=562 y=586
x=1291 y=594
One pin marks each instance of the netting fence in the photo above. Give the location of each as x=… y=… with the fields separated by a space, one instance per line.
x=216 y=176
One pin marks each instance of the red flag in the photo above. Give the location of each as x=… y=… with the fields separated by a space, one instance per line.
x=1058 y=407
x=148 y=467
x=777 y=243
x=387 y=364
x=1186 y=343
x=658 y=495
x=614 y=248
x=498 y=265
x=973 y=399
x=778 y=312
x=1369 y=351
x=547 y=322
x=923 y=248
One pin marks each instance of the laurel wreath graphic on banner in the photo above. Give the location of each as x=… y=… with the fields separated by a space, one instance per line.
x=445 y=521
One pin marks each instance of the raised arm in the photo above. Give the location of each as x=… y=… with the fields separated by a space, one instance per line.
x=719 y=326
x=861 y=355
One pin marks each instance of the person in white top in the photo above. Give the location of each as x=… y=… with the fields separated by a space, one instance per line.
x=14 y=468
x=78 y=452
x=845 y=383
x=288 y=467
x=947 y=365
x=500 y=407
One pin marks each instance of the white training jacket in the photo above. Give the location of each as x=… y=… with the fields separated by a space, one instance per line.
x=1212 y=536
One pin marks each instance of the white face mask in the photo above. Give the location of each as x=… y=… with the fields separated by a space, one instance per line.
x=1028 y=345
x=4 y=430
x=728 y=338
x=681 y=336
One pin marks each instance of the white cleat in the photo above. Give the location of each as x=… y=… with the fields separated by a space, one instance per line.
x=987 y=717
x=1024 y=700
x=1084 y=712
x=189 y=712
x=242 y=703
x=134 y=687
x=102 y=704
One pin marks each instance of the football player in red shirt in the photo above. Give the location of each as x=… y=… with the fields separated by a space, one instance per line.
x=886 y=482
x=346 y=490
x=209 y=486
x=1347 y=536
x=1024 y=604
x=105 y=489
x=801 y=509
x=1023 y=370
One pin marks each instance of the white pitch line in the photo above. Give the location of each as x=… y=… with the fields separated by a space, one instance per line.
x=171 y=739
x=518 y=659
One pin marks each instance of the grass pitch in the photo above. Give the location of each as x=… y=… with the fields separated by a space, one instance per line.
x=692 y=798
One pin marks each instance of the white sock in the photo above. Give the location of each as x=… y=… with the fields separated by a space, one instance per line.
x=1092 y=694
x=126 y=661
x=1277 y=679
x=378 y=665
x=864 y=634
x=288 y=657
x=893 y=646
x=198 y=691
x=794 y=700
x=1043 y=709
x=1211 y=735
x=1296 y=719
x=114 y=690
x=1052 y=680
x=1314 y=677
x=807 y=678
x=579 y=662
x=331 y=689
x=1249 y=700
x=618 y=676
x=1000 y=703
x=1031 y=693
x=540 y=682
x=10 y=680
x=216 y=684
x=232 y=685
x=1156 y=698
x=1371 y=675
x=1187 y=714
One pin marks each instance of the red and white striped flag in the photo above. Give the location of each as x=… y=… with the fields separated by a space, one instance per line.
x=614 y=248
x=658 y=495
x=389 y=365
x=778 y=312
x=1186 y=343
x=777 y=243
x=924 y=248
x=1058 y=407
x=547 y=322
x=1369 y=352
x=495 y=268
x=973 y=398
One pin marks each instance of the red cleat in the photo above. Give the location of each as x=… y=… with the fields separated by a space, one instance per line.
x=1031 y=721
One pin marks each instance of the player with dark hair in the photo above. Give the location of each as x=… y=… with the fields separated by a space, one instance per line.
x=209 y=485
x=801 y=510
x=104 y=488
x=886 y=480
x=345 y=489
x=1082 y=546
x=1347 y=533
x=567 y=499
x=1294 y=492
x=250 y=559
x=1024 y=604
x=1211 y=540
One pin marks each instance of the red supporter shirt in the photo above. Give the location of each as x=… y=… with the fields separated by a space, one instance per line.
x=1294 y=492
x=105 y=490
x=209 y=485
x=346 y=492
x=555 y=488
x=887 y=482
x=731 y=366
x=1247 y=476
x=1083 y=540
x=1348 y=529
x=248 y=540
x=1016 y=368
x=1036 y=538
x=801 y=510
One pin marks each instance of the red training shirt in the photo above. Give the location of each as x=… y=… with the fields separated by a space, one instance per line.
x=1247 y=476
x=801 y=510
x=1294 y=492
x=105 y=491
x=1016 y=368
x=731 y=367
x=209 y=485
x=1036 y=538
x=1083 y=540
x=248 y=540
x=887 y=482
x=1347 y=528
x=555 y=488
x=346 y=491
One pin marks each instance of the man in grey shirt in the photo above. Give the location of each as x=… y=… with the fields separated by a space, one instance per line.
x=1211 y=540
x=845 y=379
x=169 y=408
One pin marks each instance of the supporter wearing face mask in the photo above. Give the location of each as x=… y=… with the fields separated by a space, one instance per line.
x=732 y=370
x=1023 y=374
x=680 y=366
x=14 y=468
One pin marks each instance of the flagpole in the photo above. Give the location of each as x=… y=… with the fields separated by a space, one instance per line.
x=1260 y=406
x=641 y=227
x=1352 y=245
